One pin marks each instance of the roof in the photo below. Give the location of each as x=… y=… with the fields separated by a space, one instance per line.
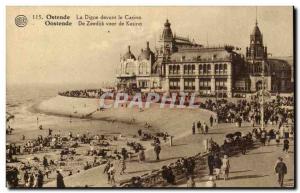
x=128 y=55
x=256 y=31
x=167 y=32
x=280 y=64
x=146 y=54
x=201 y=54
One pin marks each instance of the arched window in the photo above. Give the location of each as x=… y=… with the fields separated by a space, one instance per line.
x=171 y=69
x=143 y=68
x=185 y=69
x=225 y=68
x=204 y=69
x=221 y=68
x=177 y=69
x=193 y=69
x=130 y=68
x=200 y=69
x=208 y=68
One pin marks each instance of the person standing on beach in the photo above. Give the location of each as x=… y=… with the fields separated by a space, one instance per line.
x=49 y=131
x=194 y=129
x=59 y=180
x=211 y=119
x=141 y=155
x=157 y=150
x=281 y=170
x=199 y=126
x=205 y=128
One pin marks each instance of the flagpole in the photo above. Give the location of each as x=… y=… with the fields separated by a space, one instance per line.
x=262 y=99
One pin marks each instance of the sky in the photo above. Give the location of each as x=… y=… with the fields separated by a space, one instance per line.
x=36 y=54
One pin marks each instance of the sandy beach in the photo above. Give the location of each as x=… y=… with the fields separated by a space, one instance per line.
x=111 y=122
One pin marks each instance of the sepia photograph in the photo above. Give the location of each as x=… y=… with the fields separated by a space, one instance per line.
x=146 y=97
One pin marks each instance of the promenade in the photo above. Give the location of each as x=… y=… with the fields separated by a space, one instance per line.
x=255 y=169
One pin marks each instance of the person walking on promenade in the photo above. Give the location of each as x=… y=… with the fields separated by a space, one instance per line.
x=157 y=150
x=194 y=129
x=45 y=163
x=225 y=167
x=106 y=168
x=59 y=180
x=191 y=182
x=123 y=166
x=26 y=177
x=263 y=137
x=217 y=166
x=211 y=119
x=211 y=183
x=210 y=163
x=277 y=138
x=40 y=179
x=281 y=170
x=286 y=145
x=112 y=172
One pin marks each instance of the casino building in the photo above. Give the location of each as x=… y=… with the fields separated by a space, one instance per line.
x=179 y=64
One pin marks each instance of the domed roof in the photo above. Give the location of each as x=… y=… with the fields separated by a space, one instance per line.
x=147 y=53
x=256 y=31
x=167 y=32
x=128 y=55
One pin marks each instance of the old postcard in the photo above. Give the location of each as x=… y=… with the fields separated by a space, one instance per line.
x=150 y=97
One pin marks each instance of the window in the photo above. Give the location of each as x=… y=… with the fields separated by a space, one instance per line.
x=204 y=69
x=143 y=68
x=221 y=84
x=185 y=69
x=200 y=69
x=171 y=69
x=216 y=68
x=208 y=69
x=204 y=84
x=174 y=84
x=130 y=68
x=221 y=68
x=189 y=84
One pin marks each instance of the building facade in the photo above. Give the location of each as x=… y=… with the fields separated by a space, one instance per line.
x=181 y=65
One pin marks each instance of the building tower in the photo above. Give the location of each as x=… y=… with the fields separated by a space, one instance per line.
x=166 y=39
x=256 y=57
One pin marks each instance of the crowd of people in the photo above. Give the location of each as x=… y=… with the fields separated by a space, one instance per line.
x=275 y=111
x=86 y=93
